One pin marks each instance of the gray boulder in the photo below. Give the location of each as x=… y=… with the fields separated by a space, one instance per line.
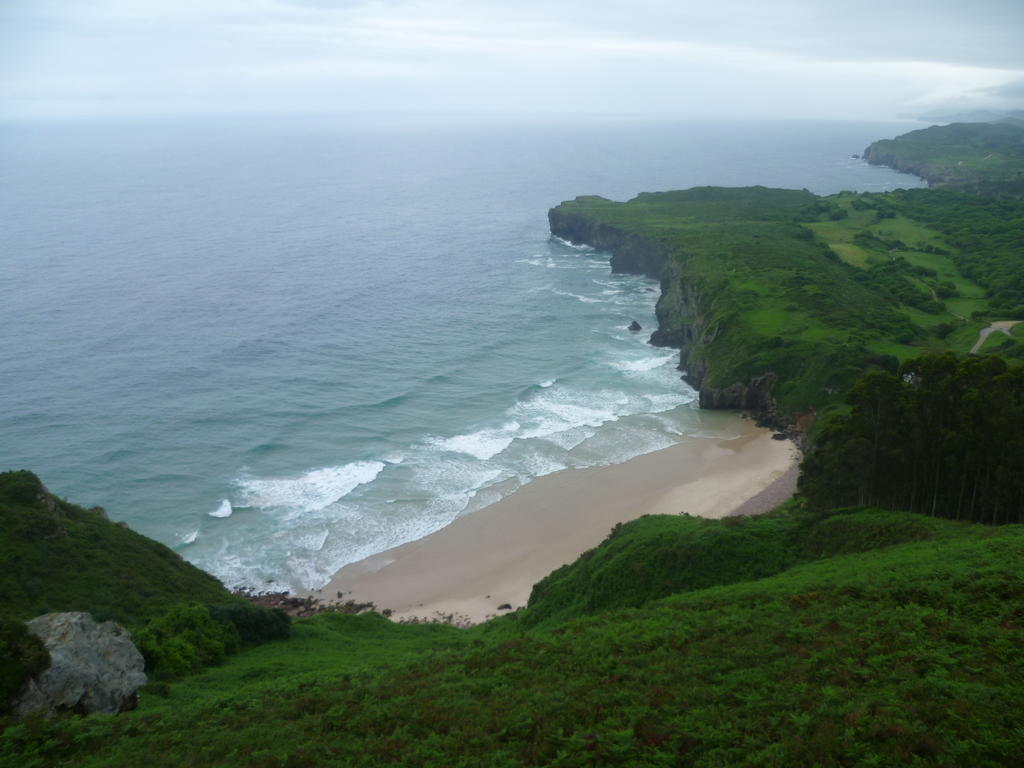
x=94 y=667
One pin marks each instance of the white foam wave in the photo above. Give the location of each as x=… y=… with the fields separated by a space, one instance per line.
x=538 y=261
x=643 y=364
x=584 y=299
x=565 y=263
x=484 y=444
x=570 y=244
x=224 y=510
x=546 y=383
x=311 y=491
x=189 y=537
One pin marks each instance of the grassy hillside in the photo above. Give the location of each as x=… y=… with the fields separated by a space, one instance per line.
x=906 y=654
x=987 y=157
x=67 y=558
x=657 y=556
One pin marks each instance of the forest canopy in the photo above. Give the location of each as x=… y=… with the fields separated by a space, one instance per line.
x=944 y=436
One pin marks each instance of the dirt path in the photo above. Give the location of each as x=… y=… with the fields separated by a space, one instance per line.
x=1003 y=326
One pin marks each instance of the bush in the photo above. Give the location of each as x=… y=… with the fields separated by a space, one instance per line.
x=184 y=640
x=254 y=623
x=22 y=655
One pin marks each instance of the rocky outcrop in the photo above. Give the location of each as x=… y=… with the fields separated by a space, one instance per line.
x=94 y=667
x=635 y=326
x=935 y=175
x=684 y=311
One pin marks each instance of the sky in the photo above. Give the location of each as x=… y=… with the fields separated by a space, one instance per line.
x=677 y=59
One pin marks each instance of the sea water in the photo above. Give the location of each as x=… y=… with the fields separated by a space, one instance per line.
x=280 y=346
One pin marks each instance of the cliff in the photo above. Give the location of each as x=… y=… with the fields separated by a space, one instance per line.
x=685 y=319
x=630 y=253
x=747 y=296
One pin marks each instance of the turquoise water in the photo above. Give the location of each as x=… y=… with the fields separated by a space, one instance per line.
x=281 y=346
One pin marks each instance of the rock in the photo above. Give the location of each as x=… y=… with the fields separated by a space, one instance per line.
x=635 y=326
x=505 y=607
x=855 y=156
x=94 y=667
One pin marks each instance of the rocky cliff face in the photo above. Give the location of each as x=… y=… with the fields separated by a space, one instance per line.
x=684 y=311
x=631 y=254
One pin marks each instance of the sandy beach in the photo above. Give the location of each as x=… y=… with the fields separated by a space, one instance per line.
x=493 y=557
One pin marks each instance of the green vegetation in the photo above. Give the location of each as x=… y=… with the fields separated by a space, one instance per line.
x=819 y=290
x=805 y=637
x=904 y=654
x=66 y=562
x=184 y=640
x=657 y=556
x=72 y=559
x=984 y=234
x=821 y=634
x=944 y=437
x=21 y=656
x=987 y=157
x=771 y=296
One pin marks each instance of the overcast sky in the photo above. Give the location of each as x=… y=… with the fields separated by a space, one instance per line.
x=832 y=59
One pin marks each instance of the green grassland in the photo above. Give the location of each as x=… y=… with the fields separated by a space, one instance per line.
x=859 y=637
x=886 y=240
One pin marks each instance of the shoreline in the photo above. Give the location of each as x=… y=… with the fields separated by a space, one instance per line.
x=490 y=558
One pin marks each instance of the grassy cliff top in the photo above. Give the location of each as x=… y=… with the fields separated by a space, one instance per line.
x=988 y=156
x=817 y=290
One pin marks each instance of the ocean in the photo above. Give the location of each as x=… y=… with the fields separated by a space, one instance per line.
x=282 y=345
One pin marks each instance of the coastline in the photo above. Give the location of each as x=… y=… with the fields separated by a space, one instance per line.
x=494 y=556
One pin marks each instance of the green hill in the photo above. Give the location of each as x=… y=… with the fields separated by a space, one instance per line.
x=657 y=556
x=987 y=157
x=73 y=559
x=904 y=654
x=60 y=557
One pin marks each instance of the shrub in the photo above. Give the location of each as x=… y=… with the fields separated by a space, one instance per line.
x=184 y=640
x=254 y=623
x=22 y=655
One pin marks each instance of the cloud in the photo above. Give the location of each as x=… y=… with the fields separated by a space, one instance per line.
x=1012 y=91
x=650 y=56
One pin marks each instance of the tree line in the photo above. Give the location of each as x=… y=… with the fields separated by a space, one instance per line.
x=944 y=436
